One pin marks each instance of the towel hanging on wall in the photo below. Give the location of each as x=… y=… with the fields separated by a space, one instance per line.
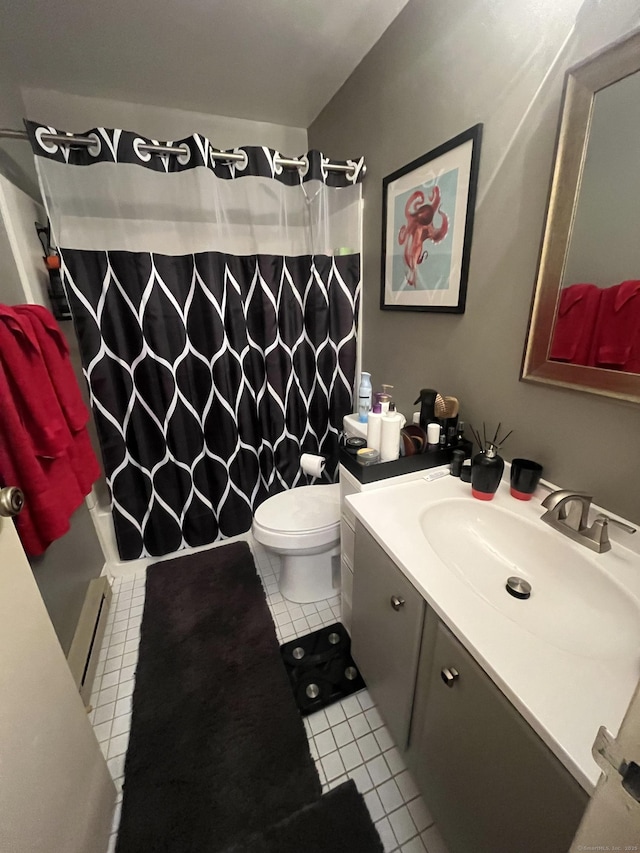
x=44 y=444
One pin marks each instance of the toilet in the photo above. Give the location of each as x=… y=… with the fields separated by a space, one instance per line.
x=302 y=525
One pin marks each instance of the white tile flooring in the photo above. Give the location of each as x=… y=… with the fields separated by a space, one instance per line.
x=348 y=740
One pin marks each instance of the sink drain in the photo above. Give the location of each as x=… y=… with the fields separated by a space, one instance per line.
x=518 y=587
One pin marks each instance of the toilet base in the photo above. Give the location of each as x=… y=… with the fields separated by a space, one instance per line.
x=309 y=578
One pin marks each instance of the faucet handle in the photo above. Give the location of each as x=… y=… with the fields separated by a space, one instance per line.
x=599 y=533
x=606 y=518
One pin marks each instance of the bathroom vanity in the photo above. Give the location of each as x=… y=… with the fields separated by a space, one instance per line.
x=495 y=700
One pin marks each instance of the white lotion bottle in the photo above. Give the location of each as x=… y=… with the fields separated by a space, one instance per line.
x=374 y=427
x=392 y=423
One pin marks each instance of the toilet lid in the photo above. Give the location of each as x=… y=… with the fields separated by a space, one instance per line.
x=302 y=509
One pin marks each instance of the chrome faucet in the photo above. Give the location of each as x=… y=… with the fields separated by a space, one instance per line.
x=568 y=512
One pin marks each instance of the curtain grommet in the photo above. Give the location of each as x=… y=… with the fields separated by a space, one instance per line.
x=49 y=147
x=241 y=165
x=96 y=148
x=303 y=168
x=184 y=159
x=145 y=156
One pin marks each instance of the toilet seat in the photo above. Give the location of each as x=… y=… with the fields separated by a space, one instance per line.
x=307 y=517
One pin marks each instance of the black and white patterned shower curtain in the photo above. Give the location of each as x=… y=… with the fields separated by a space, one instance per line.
x=216 y=308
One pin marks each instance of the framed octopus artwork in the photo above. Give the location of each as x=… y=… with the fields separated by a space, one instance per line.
x=427 y=224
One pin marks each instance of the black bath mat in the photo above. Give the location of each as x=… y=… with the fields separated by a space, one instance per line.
x=217 y=747
x=338 y=823
x=320 y=668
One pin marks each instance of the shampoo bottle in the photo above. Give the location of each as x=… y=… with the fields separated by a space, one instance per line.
x=486 y=473
x=364 y=397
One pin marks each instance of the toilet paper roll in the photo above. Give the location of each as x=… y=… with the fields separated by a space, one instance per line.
x=390 y=440
x=312 y=465
x=374 y=430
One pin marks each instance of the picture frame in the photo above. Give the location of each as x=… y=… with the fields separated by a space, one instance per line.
x=427 y=226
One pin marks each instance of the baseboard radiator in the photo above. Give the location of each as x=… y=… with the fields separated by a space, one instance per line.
x=89 y=633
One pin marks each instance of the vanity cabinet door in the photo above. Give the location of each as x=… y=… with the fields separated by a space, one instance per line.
x=386 y=627
x=491 y=784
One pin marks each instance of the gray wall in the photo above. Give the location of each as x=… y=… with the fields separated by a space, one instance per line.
x=16 y=160
x=440 y=68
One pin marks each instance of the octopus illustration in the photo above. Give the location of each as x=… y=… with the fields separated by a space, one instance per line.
x=419 y=228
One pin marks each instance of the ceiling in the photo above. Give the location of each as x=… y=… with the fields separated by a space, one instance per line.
x=269 y=60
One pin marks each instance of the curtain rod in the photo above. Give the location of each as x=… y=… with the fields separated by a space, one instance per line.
x=86 y=142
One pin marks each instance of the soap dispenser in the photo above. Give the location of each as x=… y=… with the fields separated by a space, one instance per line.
x=486 y=473
x=384 y=398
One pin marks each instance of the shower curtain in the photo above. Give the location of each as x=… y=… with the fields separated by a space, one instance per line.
x=216 y=307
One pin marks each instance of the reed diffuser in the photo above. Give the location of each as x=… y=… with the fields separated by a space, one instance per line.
x=487 y=466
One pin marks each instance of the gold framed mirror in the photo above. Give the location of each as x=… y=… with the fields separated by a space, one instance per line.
x=584 y=329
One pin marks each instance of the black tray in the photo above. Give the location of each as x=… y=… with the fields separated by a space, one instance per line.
x=403 y=465
x=320 y=668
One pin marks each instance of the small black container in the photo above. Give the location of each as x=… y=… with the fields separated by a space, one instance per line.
x=456 y=463
x=486 y=473
x=354 y=444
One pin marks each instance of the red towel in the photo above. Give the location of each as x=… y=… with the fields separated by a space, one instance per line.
x=44 y=445
x=617 y=337
x=575 y=324
x=56 y=356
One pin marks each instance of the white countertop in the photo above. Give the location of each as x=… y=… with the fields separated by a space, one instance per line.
x=564 y=696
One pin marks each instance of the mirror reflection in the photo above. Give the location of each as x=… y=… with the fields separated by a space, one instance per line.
x=597 y=320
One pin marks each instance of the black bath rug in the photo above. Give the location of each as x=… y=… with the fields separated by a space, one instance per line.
x=217 y=748
x=320 y=668
x=338 y=823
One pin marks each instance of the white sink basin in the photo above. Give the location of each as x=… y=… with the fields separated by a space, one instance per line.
x=574 y=605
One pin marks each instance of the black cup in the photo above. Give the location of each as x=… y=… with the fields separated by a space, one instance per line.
x=525 y=476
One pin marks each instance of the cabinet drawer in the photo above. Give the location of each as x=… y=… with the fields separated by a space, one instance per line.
x=386 y=626
x=347 y=541
x=347 y=487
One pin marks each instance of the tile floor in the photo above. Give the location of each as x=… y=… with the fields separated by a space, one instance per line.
x=348 y=740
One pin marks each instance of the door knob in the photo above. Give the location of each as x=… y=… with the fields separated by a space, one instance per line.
x=449 y=675
x=11 y=501
x=397 y=602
